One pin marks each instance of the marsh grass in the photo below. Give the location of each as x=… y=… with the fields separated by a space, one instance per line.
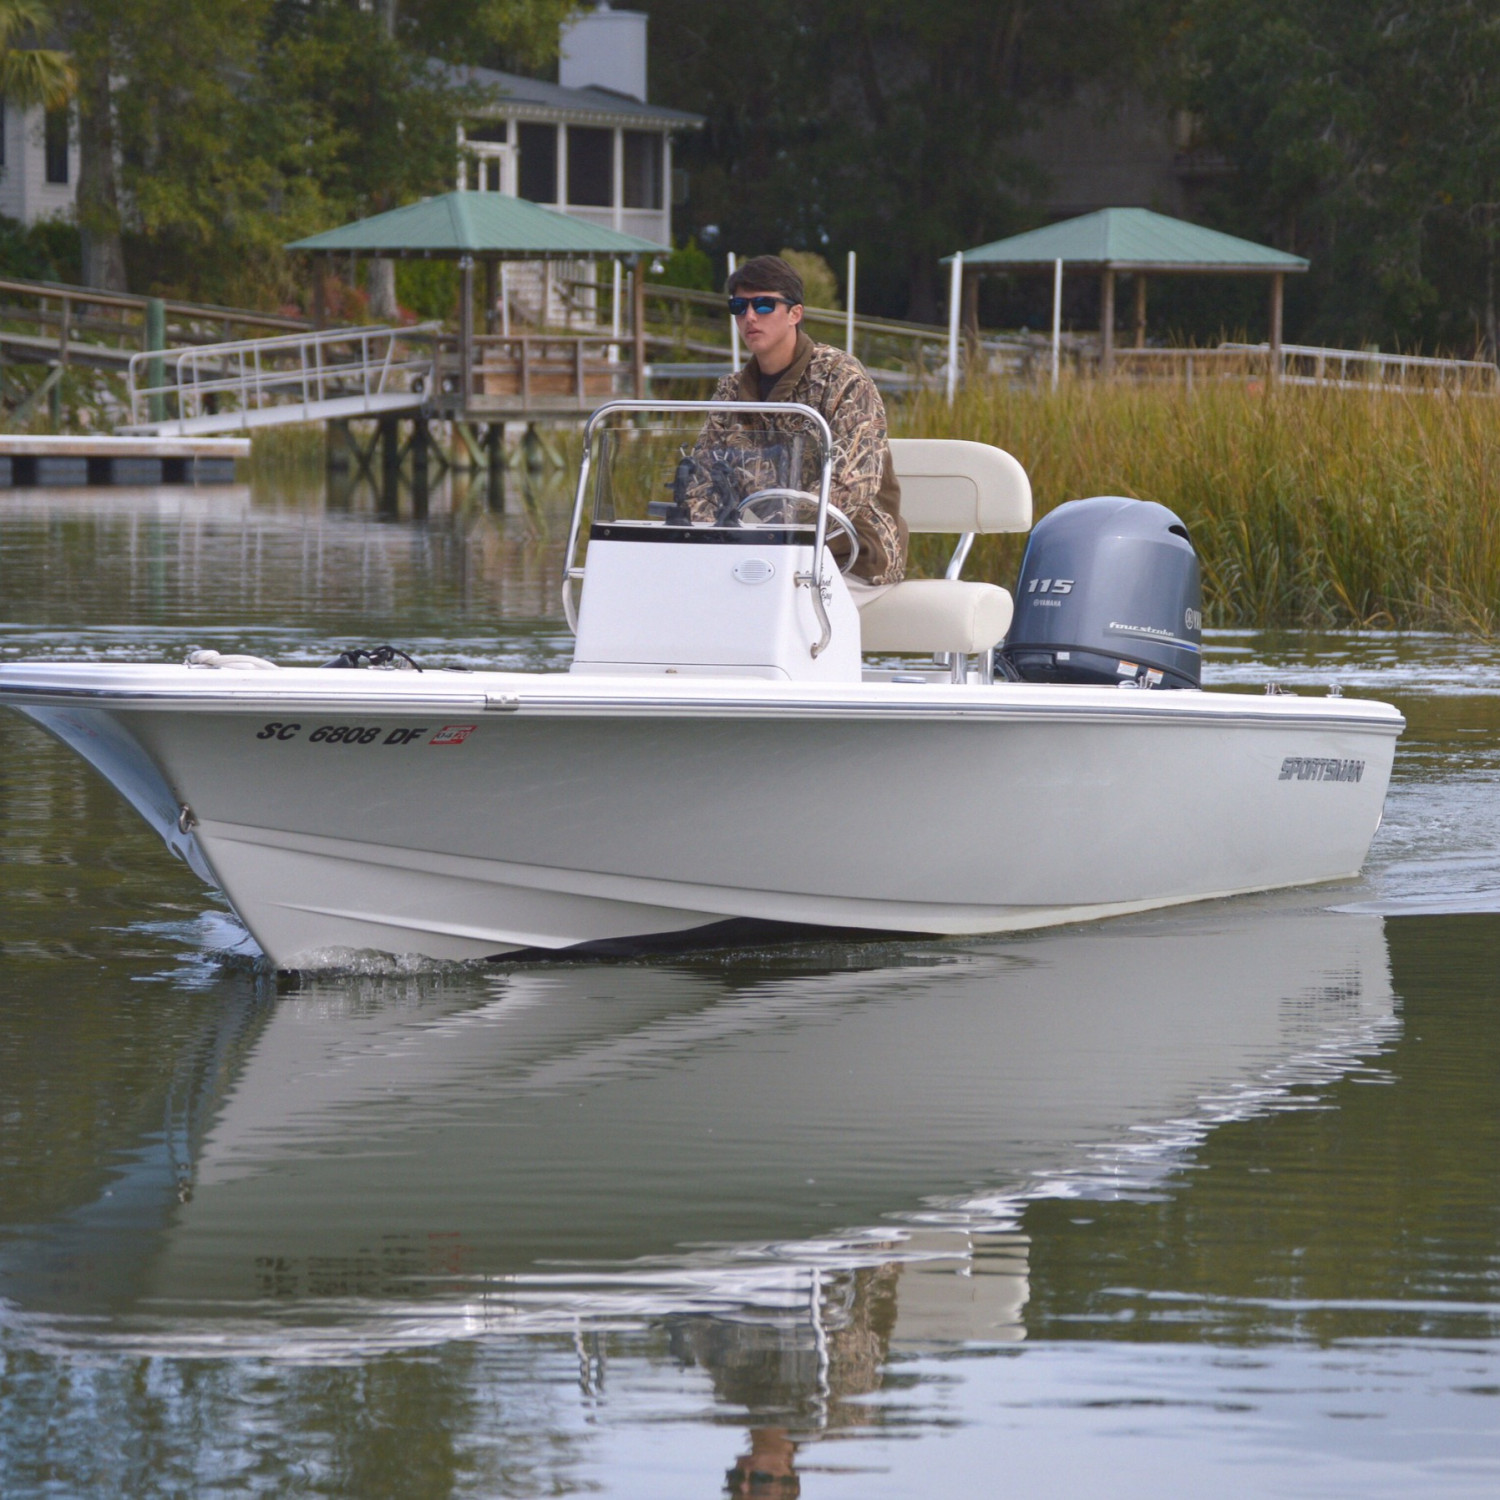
x=276 y=451
x=1308 y=507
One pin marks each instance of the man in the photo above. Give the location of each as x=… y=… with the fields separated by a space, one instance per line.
x=766 y=299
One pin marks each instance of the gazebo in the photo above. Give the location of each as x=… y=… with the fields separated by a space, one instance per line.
x=488 y=228
x=1138 y=243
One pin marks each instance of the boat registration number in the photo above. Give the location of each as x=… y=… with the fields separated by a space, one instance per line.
x=364 y=734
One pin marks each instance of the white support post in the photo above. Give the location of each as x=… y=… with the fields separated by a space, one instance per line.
x=614 y=320
x=1056 y=321
x=955 y=297
x=665 y=232
x=734 y=327
x=617 y=173
x=849 y=307
x=505 y=298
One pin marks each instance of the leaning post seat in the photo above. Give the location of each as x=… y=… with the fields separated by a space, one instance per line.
x=949 y=485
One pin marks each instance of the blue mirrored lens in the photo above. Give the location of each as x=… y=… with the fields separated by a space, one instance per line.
x=739 y=306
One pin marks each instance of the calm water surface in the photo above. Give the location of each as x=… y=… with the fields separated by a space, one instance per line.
x=1200 y=1202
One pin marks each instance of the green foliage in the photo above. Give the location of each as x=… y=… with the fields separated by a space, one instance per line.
x=234 y=126
x=509 y=34
x=886 y=125
x=32 y=75
x=819 y=285
x=429 y=288
x=363 y=115
x=44 y=251
x=1366 y=135
x=687 y=266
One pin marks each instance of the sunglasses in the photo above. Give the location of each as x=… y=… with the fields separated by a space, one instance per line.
x=739 y=306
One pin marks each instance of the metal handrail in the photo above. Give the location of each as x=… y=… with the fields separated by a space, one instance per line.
x=1361 y=369
x=239 y=368
x=1371 y=357
x=816 y=580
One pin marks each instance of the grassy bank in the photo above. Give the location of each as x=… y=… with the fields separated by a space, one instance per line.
x=277 y=451
x=1308 y=508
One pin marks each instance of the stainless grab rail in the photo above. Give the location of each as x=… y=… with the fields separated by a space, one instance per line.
x=239 y=369
x=816 y=580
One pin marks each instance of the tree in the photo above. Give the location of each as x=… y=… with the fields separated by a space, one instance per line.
x=158 y=122
x=212 y=131
x=890 y=125
x=32 y=76
x=1366 y=135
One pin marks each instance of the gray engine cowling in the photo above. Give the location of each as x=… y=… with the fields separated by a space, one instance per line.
x=1108 y=593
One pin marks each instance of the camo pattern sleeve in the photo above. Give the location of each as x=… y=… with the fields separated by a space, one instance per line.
x=836 y=384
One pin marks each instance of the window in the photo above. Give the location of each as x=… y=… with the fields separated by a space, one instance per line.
x=591 y=166
x=642 y=169
x=55 y=137
x=539 y=163
x=490 y=131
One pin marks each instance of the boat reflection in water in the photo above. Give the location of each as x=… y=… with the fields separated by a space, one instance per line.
x=789 y=1172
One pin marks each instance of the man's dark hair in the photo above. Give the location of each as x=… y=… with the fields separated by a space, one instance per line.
x=767 y=273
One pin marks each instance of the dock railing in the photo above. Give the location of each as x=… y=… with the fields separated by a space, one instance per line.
x=1360 y=369
x=532 y=373
x=1308 y=365
x=305 y=377
x=47 y=322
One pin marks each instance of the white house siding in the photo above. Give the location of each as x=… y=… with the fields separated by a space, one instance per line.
x=25 y=193
x=624 y=120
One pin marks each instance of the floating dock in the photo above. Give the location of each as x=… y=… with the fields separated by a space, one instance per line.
x=106 y=459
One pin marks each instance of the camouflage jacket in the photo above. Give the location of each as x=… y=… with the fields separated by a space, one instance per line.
x=863 y=484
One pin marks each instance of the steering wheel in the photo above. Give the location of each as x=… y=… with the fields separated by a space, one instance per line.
x=839 y=519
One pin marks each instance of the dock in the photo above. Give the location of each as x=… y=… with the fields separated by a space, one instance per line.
x=105 y=459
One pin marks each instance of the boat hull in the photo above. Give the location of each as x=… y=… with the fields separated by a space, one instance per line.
x=517 y=813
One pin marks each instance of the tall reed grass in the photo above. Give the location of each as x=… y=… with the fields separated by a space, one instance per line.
x=275 y=451
x=1309 y=507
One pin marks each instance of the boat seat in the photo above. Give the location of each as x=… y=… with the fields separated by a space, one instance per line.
x=949 y=485
x=936 y=614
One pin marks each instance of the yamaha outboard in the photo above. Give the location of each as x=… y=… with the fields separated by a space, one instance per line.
x=1108 y=593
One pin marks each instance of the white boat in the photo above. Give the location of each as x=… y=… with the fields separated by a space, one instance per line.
x=722 y=757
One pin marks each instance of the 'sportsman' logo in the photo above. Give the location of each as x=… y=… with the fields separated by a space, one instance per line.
x=1303 y=768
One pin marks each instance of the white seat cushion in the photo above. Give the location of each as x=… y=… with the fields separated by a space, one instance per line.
x=950 y=484
x=935 y=614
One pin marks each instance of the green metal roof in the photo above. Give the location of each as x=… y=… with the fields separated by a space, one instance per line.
x=1131 y=239
x=482 y=224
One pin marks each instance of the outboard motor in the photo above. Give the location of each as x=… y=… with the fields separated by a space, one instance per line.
x=1108 y=593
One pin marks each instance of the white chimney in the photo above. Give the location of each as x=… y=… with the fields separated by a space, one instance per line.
x=606 y=49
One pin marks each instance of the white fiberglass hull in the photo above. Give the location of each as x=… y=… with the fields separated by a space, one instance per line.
x=469 y=815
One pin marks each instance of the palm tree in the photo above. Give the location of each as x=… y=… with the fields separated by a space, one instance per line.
x=32 y=75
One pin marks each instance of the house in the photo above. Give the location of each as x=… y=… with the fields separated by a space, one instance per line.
x=588 y=146
x=38 y=163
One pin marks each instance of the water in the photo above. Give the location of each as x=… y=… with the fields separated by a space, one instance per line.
x=1203 y=1201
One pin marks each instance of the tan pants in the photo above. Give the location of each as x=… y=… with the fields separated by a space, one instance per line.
x=864 y=593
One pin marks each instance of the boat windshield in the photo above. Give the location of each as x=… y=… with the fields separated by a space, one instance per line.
x=707 y=468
